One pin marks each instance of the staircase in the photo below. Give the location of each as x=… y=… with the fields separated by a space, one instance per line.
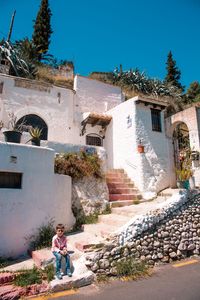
x=121 y=189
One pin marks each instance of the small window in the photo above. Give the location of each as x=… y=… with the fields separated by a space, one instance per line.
x=156 y=120
x=9 y=180
x=94 y=140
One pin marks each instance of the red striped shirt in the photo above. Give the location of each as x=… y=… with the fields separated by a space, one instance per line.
x=58 y=243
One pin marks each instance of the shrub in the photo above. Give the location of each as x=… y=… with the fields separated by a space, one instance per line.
x=132 y=268
x=82 y=219
x=34 y=276
x=5 y=261
x=107 y=210
x=28 y=277
x=43 y=236
x=78 y=165
x=48 y=273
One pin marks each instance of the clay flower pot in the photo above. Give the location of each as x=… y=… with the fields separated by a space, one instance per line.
x=140 y=148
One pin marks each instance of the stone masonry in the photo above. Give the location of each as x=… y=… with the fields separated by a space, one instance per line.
x=170 y=234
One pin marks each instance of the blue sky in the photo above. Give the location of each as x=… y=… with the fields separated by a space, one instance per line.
x=99 y=35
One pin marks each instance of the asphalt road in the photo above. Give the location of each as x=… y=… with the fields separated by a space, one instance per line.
x=167 y=283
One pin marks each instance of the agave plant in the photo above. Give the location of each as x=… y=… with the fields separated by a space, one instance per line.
x=139 y=82
x=35 y=132
x=19 y=66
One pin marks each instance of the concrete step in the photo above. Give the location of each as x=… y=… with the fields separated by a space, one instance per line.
x=117 y=175
x=93 y=236
x=115 y=171
x=87 y=245
x=122 y=190
x=120 y=185
x=81 y=276
x=42 y=257
x=121 y=203
x=6 y=277
x=113 y=219
x=116 y=197
x=118 y=181
x=8 y=292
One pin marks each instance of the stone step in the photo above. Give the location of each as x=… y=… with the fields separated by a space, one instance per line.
x=129 y=211
x=118 y=181
x=116 y=197
x=115 y=171
x=42 y=257
x=120 y=185
x=6 y=277
x=8 y=292
x=81 y=276
x=114 y=219
x=122 y=190
x=87 y=246
x=117 y=175
x=122 y=203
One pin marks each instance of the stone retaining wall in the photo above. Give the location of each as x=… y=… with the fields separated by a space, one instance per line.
x=89 y=196
x=169 y=233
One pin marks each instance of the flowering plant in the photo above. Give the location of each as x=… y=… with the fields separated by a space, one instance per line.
x=184 y=171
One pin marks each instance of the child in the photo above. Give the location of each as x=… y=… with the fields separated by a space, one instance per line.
x=59 y=249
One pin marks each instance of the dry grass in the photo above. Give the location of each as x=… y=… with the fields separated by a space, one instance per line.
x=45 y=74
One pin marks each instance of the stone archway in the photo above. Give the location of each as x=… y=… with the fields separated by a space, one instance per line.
x=181 y=142
x=33 y=120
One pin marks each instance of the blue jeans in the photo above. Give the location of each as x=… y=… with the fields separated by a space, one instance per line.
x=59 y=259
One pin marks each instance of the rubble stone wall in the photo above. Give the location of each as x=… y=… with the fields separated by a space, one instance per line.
x=171 y=233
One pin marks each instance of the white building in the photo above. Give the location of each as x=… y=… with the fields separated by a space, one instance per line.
x=93 y=113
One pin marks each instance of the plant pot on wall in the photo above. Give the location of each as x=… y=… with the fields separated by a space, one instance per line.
x=140 y=148
x=12 y=136
x=35 y=142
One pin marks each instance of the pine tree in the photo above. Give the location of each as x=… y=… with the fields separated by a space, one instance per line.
x=173 y=73
x=42 y=28
x=193 y=92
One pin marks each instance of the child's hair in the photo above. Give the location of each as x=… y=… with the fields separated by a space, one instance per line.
x=60 y=226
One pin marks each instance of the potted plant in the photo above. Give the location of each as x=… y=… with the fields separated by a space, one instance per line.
x=184 y=172
x=140 y=147
x=35 y=133
x=14 y=134
x=183 y=176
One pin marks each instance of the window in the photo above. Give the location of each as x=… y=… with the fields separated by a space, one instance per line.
x=94 y=140
x=156 y=120
x=9 y=180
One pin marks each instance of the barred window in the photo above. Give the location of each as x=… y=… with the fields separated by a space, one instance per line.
x=156 y=120
x=10 y=180
x=94 y=140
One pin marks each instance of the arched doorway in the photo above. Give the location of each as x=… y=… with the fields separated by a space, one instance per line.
x=181 y=142
x=34 y=121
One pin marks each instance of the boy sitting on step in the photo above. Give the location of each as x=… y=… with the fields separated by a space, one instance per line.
x=59 y=249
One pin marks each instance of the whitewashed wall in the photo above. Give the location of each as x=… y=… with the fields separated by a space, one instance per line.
x=44 y=195
x=93 y=95
x=120 y=142
x=60 y=108
x=53 y=104
x=156 y=161
x=191 y=117
x=131 y=123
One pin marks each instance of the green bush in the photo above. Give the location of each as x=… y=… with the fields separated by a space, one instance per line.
x=28 y=277
x=132 y=268
x=48 y=273
x=107 y=210
x=43 y=236
x=5 y=261
x=34 y=276
x=78 y=165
